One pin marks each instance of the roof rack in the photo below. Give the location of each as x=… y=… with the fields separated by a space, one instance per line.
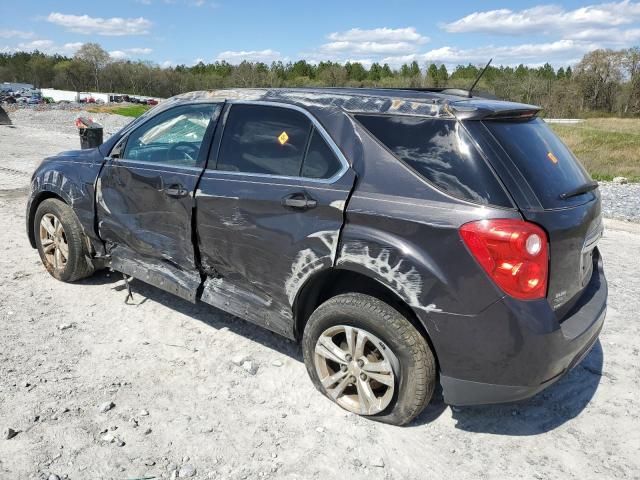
x=457 y=92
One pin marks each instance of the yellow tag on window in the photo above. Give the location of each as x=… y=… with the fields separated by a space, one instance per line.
x=283 y=138
x=552 y=157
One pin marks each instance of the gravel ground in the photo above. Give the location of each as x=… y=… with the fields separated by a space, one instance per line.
x=63 y=120
x=621 y=201
x=92 y=387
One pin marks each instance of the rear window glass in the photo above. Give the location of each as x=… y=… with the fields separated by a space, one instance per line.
x=547 y=164
x=441 y=152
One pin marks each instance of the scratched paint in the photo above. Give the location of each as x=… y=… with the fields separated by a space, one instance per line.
x=404 y=279
x=308 y=262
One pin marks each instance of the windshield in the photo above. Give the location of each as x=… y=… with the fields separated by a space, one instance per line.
x=547 y=164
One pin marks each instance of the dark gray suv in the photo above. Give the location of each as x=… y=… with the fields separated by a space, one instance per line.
x=403 y=237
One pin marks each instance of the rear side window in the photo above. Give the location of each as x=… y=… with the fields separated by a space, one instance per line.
x=442 y=153
x=547 y=164
x=263 y=139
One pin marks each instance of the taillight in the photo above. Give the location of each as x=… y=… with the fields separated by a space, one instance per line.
x=513 y=252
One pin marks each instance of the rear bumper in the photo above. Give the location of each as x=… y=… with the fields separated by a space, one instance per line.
x=513 y=350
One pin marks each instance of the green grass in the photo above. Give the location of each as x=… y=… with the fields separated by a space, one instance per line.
x=608 y=147
x=127 y=111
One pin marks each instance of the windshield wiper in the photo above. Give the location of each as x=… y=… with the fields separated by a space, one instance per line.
x=587 y=187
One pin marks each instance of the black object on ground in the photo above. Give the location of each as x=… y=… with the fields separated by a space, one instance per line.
x=4 y=118
x=91 y=133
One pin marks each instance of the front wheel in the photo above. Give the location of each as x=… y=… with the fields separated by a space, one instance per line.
x=60 y=241
x=369 y=359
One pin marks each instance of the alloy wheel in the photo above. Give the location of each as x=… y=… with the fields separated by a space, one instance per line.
x=54 y=242
x=356 y=368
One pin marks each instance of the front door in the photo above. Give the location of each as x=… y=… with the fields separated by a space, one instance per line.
x=145 y=197
x=269 y=211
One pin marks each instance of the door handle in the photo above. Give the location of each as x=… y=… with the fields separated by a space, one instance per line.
x=176 y=190
x=300 y=201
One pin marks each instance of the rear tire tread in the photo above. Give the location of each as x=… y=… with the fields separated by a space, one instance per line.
x=422 y=381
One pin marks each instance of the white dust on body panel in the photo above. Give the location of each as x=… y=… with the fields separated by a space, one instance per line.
x=308 y=262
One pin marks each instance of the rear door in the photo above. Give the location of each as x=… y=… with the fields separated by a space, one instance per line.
x=567 y=206
x=145 y=197
x=269 y=210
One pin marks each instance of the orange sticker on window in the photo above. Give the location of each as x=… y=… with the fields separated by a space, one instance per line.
x=283 y=138
x=552 y=157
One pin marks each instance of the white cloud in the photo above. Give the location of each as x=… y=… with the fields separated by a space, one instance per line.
x=115 y=26
x=558 y=52
x=408 y=34
x=15 y=34
x=613 y=36
x=547 y=19
x=44 y=46
x=374 y=41
x=266 y=56
x=368 y=47
x=129 y=53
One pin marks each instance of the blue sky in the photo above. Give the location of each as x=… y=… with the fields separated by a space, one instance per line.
x=170 y=32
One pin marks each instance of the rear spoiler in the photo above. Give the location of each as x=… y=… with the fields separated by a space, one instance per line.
x=485 y=109
x=512 y=115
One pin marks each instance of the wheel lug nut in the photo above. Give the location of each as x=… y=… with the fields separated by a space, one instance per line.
x=343 y=368
x=360 y=363
x=347 y=357
x=363 y=376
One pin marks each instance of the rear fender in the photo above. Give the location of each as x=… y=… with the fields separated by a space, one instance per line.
x=395 y=263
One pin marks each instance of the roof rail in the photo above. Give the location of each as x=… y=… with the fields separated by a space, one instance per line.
x=457 y=92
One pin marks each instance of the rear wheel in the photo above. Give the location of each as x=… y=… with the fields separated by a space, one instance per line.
x=369 y=359
x=60 y=241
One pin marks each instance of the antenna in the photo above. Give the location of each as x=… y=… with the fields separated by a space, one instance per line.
x=479 y=76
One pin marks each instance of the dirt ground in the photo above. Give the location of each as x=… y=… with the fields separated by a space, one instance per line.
x=99 y=389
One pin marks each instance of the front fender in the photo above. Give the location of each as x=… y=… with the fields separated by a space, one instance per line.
x=71 y=177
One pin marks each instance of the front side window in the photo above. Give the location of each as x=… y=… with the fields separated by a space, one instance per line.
x=441 y=152
x=173 y=137
x=264 y=139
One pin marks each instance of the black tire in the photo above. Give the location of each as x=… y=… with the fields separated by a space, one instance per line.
x=416 y=379
x=78 y=264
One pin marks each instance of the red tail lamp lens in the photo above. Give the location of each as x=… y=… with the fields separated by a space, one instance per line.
x=514 y=254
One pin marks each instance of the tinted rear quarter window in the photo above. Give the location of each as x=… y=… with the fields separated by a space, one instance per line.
x=547 y=164
x=442 y=153
x=320 y=161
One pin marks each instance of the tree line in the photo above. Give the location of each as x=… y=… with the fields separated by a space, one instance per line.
x=603 y=82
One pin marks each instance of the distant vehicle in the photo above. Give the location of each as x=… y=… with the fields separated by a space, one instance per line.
x=404 y=238
x=152 y=101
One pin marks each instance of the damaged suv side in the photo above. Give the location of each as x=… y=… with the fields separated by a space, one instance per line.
x=403 y=237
